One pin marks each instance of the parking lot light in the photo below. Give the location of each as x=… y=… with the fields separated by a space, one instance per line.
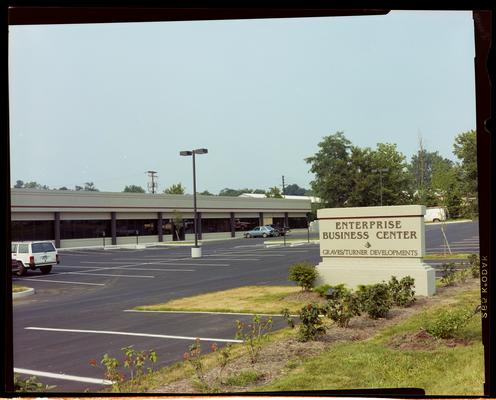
x=195 y=251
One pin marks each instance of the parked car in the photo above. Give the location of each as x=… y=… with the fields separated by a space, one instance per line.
x=282 y=230
x=435 y=214
x=260 y=231
x=40 y=254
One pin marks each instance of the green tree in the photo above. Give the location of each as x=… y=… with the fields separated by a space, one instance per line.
x=90 y=187
x=133 y=189
x=331 y=168
x=206 y=193
x=421 y=169
x=295 y=190
x=465 y=149
x=176 y=188
x=19 y=184
x=274 y=192
x=237 y=192
x=447 y=184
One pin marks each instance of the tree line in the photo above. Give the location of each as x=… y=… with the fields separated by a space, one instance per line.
x=346 y=175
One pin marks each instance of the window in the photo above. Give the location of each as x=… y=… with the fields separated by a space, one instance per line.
x=82 y=229
x=216 y=225
x=133 y=227
x=32 y=230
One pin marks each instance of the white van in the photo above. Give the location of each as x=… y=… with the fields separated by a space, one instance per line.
x=435 y=214
x=34 y=255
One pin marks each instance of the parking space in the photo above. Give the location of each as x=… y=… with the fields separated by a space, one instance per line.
x=85 y=302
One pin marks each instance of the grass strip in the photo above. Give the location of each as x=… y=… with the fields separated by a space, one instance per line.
x=373 y=364
x=246 y=299
x=18 y=288
x=441 y=256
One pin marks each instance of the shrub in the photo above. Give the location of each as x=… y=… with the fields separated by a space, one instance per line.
x=375 y=300
x=311 y=322
x=342 y=308
x=322 y=289
x=31 y=384
x=449 y=322
x=449 y=275
x=243 y=378
x=253 y=335
x=304 y=274
x=402 y=292
x=474 y=265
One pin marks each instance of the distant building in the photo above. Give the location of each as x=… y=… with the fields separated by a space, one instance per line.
x=287 y=197
x=83 y=218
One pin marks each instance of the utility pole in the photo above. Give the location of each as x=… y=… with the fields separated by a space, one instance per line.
x=152 y=185
x=283 y=187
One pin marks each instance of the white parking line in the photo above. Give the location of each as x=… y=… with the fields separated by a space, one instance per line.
x=217 y=258
x=62 y=376
x=69 y=282
x=132 y=334
x=207 y=312
x=201 y=264
x=116 y=275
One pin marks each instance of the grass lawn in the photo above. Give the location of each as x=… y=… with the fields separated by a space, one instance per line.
x=442 y=256
x=374 y=363
x=246 y=299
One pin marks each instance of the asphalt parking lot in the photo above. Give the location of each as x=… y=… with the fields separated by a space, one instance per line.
x=81 y=310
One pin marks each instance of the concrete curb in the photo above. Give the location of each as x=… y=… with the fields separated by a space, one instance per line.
x=24 y=293
x=449 y=222
x=290 y=244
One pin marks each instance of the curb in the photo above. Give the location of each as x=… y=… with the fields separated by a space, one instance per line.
x=24 y=293
x=449 y=222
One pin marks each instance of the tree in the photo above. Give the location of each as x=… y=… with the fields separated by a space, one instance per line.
x=78 y=188
x=295 y=190
x=237 y=192
x=447 y=183
x=330 y=165
x=62 y=188
x=90 y=187
x=274 y=192
x=133 y=189
x=176 y=188
x=421 y=169
x=19 y=184
x=465 y=149
x=206 y=193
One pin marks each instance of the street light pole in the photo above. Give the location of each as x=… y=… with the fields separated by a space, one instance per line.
x=195 y=251
x=380 y=170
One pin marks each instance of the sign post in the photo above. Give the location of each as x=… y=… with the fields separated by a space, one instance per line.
x=366 y=245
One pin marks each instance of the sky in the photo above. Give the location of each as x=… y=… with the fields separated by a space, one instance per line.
x=104 y=103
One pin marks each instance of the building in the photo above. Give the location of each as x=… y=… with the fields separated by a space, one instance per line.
x=312 y=199
x=85 y=218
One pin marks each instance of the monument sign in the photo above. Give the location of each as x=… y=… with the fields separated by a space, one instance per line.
x=365 y=245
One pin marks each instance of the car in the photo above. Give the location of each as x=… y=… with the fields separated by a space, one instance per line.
x=260 y=231
x=435 y=214
x=281 y=230
x=39 y=254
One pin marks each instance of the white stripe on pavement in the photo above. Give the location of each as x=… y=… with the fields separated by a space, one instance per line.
x=120 y=276
x=207 y=312
x=72 y=283
x=202 y=264
x=133 y=334
x=62 y=376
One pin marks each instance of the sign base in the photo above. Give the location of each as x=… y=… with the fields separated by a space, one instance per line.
x=365 y=271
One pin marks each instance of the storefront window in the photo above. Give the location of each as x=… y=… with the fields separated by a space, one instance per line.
x=32 y=230
x=82 y=229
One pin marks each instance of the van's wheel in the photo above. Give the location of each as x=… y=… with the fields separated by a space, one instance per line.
x=436 y=220
x=22 y=269
x=46 y=269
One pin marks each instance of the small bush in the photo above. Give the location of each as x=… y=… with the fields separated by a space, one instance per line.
x=474 y=265
x=449 y=276
x=402 y=292
x=304 y=274
x=322 y=289
x=375 y=300
x=253 y=335
x=449 y=322
x=31 y=384
x=312 y=325
x=342 y=308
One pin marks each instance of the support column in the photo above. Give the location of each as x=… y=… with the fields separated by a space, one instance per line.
x=160 y=231
x=233 y=226
x=199 y=225
x=56 y=226
x=113 y=227
x=286 y=220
